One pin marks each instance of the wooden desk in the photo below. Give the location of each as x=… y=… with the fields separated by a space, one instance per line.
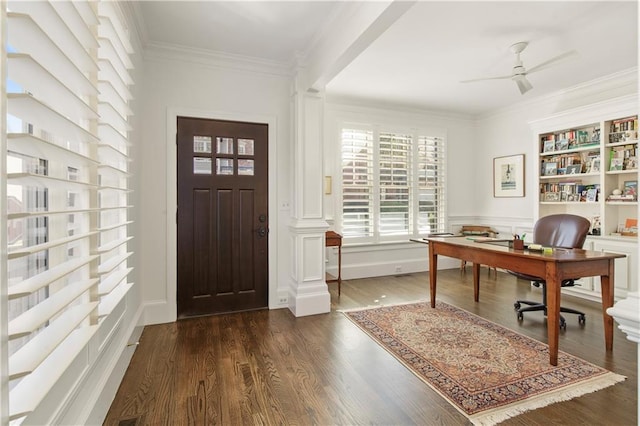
x=333 y=239
x=561 y=264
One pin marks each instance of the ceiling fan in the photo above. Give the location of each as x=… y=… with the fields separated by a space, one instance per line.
x=519 y=72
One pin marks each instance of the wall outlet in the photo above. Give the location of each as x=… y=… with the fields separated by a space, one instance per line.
x=283 y=300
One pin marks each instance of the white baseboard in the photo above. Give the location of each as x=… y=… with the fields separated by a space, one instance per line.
x=159 y=312
x=380 y=269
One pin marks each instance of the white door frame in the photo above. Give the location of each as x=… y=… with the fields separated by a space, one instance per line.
x=170 y=308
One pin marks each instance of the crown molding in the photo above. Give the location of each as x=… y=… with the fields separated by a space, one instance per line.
x=618 y=84
x=344 y=103
x=136 y=20
x=179 y=53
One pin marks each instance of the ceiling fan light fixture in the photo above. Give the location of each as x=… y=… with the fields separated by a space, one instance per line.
x=523 y=84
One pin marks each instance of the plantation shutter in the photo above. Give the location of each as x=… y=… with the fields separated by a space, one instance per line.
x=394 y=177
x=430 y=186
x=393 y=185
x=67 y=185
x=357 y=183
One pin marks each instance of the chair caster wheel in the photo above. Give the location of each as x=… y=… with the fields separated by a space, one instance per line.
x=582 y=319
x=563 y=324
x=520 y=316
x=516 y=306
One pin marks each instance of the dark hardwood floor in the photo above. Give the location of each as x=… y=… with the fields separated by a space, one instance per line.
x=268 y=367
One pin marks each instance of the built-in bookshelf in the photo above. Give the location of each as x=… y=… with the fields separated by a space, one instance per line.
x=587 y=165
x=592 y=170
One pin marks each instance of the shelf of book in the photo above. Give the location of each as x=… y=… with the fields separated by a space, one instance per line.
x=573 y=170
x=587 y=165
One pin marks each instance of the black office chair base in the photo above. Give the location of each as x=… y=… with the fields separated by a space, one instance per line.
x=535 y=306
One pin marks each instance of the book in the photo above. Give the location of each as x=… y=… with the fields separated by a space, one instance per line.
x=487 y=239
x=621 y=197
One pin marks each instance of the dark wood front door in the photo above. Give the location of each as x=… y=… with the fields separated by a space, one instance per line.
x=222 y=216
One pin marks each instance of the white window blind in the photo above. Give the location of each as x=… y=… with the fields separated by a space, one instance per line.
x=430 y=185
x=393 y=185
x=357 y=183
x=67 y=183
x=394 y=176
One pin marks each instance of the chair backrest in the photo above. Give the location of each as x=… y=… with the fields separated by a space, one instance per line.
x=561 y=230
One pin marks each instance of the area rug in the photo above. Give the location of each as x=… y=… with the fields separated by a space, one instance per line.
x=489 y=373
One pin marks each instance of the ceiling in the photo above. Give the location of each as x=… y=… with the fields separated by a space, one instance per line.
x=420 y=60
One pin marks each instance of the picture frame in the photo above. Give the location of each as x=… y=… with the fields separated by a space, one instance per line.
x=562 y=145
x=583 y=137
x=548 y=145
x=550 y=168
x=574 y=169
x=508 y=176
x=631 y=188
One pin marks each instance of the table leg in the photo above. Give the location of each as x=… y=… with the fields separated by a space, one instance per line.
x=553 y=311
x=607 y=288
x=476 y=281
x=433 y=272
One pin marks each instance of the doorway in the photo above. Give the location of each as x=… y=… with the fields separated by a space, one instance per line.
x=222 y=216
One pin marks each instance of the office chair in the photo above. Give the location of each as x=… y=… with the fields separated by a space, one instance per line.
x=558 y=230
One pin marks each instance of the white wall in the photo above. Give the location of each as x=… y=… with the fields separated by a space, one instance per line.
x=190 y=83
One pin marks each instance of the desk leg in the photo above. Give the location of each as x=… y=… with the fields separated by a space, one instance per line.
x=476 y=281
x=553 y=312
x=607 y=287
x=433 y=272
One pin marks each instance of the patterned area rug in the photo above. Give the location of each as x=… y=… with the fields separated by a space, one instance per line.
x=489 y=373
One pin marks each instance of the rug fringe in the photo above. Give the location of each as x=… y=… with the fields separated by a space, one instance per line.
x=498 y=415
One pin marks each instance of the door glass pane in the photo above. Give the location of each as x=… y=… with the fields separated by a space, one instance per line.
x=224 y=166
x=201 y=166
x=245 y=146
x=202 y=144
x=224 y=145
x=245 y=167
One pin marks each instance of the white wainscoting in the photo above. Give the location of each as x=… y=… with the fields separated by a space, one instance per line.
x=365 y=261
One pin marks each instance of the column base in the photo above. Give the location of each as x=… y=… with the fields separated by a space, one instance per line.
x=315 y=300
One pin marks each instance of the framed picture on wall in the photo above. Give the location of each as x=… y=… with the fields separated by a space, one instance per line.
x=508 y=176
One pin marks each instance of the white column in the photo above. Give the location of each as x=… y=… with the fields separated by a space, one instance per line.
x=308 y=291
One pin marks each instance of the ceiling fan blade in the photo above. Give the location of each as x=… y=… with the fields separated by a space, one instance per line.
x=523 y=84
x=551 y=61
x=502 y=77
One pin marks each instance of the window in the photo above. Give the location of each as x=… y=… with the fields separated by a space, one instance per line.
x=67 y=79
x=393 y=184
